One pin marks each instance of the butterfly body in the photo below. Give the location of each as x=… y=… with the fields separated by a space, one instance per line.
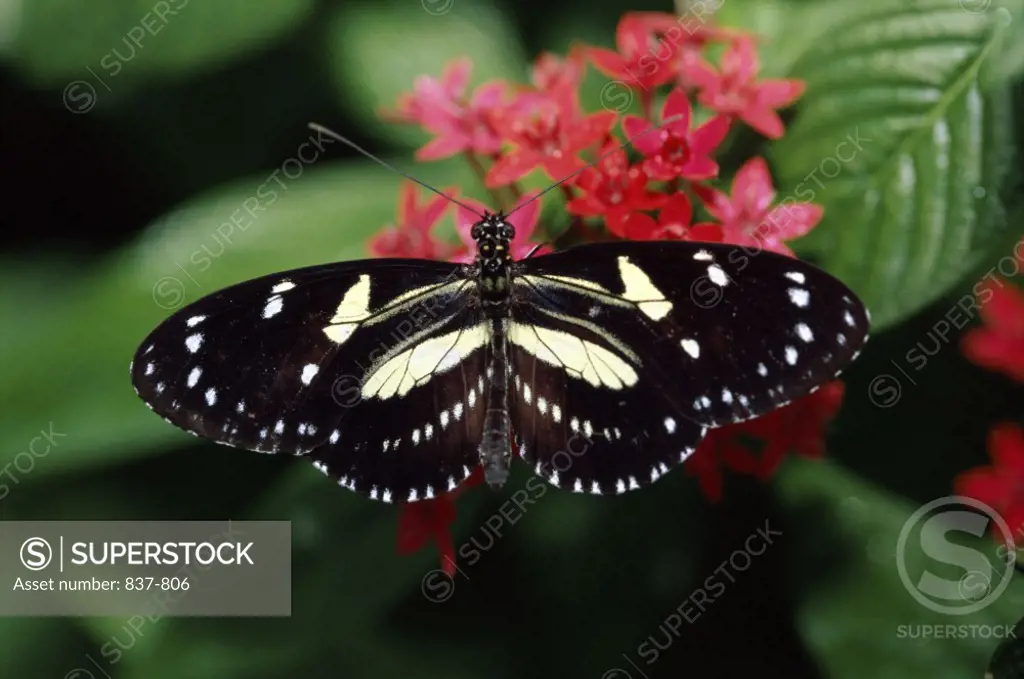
x=601 y=366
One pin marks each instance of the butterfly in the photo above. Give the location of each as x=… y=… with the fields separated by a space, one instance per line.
x=602 y=366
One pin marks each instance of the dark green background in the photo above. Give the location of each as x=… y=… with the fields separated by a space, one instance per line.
x=100 y=206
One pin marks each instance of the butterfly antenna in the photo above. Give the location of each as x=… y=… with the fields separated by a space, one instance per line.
x=351 y=144
x=598 y=160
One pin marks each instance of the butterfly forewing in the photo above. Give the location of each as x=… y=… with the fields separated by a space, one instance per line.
x=289 y=363
x=727 y=333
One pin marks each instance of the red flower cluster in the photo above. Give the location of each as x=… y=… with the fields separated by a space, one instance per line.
x=506 y=131
x=999 y=346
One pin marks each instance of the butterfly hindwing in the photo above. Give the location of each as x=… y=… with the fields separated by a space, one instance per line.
x=585 y=414
x=728 y=333
x=273 y=364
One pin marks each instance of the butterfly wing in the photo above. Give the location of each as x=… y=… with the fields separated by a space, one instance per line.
x=724 y=332
x=585 y=415
x=335 y=362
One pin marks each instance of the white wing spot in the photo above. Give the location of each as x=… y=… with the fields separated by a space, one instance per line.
x=193 y=377
x=386 y=445
x=335 y=435
x=320 y=466
x=472 y=398
x=799 y=297
x=791 y=355
x=452 y=483
x=444 y=419
x=726 y=396
x=274 y=306
x=841 y=339
x=429 y=494
x=240 y=408
x=595 y=487
x=618 y=433
x=413 y=495
x=620 y=486
x=796 y=277
x=717 y=275
x=633 y=485
x=588 y=429
x=310 y=429
x=804 y=332
x=301 y=429
x=577 y=486
x=705 y=401
x=457 y=411
x=428 y=431
x=150 y=368
x=194 y=321
x=309 y=371
x=556 y=412
x=193 y=342
x=691 y=347
x=527 y=394
x=744 y=401
x=670 y=425
x=283 y=286
x=574 y=424
x=655 y=475
x=703 y=256
x=761 y=369
x=263 y=433
x=415 y=437
x=160 y=386
x=386 y=497
x=211 y=396
x=554 y=479
x=279 y=427
x=542 y=405
x=848 y=317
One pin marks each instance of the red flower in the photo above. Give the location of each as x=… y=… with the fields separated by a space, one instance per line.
x=440 y=107
x=673 y=224
x=552 y=72
x=612 y=189
x=642 y=61
x=734 y=91
x=548 y=132
x=410 y=236
x=798 y=427
x=1000 y=486
x=1000 y=344
x=674 y=150
x=746 y=218
x=524 y=220
x=426 y=520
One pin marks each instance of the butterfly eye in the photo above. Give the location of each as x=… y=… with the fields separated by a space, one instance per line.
x=507 y=231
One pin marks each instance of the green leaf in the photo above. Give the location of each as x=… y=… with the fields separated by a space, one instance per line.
x=854 y=610
x=106 y=44
x=85 y=336
x=378 y=52
x=907 y=150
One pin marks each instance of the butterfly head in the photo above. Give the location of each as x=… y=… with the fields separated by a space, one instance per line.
x=493 y=235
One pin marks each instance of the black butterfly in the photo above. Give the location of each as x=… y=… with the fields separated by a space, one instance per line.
x=604 y=363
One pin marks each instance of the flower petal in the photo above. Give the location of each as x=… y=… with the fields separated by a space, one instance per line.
x=512 y=166
x=792 y=220
x=607 y=62
x=763 y=120
x=752 y=187
x=677 y=104
x=709 y=135
x=636 y=130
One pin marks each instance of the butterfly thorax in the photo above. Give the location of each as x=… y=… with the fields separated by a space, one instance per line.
x=493 y=236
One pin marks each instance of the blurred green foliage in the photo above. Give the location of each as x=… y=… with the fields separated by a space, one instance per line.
x=201 y=105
